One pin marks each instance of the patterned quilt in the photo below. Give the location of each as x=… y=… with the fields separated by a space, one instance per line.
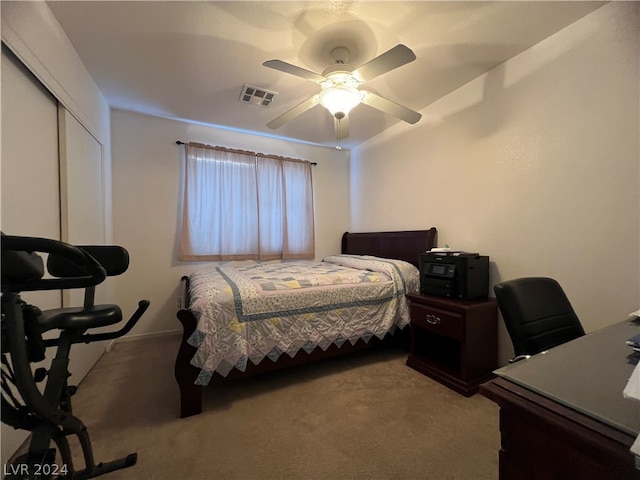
x=249 y=312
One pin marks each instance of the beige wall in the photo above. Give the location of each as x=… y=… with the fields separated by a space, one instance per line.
x=146 y=201
x=535 y=164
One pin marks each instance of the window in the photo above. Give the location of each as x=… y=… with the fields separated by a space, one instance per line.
x=242 y=205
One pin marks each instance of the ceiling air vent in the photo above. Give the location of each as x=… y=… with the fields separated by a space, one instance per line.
x=256 y=95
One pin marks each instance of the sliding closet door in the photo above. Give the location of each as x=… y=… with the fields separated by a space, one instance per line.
x=82 y=215
x=30 y=186
x=82 y=180
x=30 y=182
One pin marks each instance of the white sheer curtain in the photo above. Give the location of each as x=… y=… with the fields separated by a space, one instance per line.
x=285 y=193
x=241 y=205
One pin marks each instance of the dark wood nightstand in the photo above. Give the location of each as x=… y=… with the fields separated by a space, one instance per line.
x=454 y=341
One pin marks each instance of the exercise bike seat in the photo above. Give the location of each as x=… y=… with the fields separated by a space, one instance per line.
x=79 y=318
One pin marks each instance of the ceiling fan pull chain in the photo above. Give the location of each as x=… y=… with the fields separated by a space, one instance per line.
x=338 y=145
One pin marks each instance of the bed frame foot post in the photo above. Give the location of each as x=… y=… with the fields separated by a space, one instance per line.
x=185 y=373
x=190 y=400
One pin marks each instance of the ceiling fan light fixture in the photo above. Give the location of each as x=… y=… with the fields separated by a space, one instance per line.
x=340 y=93
x=339 y=99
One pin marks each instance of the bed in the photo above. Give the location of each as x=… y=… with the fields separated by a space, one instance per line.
x=246 y=318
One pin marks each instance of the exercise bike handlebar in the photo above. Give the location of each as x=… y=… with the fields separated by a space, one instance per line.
x=98 y=337
x=77 y=266
x=92 y=271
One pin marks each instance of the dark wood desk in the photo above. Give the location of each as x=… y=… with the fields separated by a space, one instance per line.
x=562 y=413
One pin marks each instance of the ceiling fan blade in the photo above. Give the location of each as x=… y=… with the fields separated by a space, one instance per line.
x=389 y=60
x=392 y=108
x=342 y=127
x=294 y=70
x=294 y=112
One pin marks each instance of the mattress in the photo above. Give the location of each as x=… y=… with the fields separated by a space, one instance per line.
x=254 y=312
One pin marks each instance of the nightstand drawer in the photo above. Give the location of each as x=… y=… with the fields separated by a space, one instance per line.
x=437 y=321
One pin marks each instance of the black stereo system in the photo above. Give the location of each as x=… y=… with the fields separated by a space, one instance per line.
x=459 y=275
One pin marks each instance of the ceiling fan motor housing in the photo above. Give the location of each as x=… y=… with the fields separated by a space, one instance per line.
x=340 y=55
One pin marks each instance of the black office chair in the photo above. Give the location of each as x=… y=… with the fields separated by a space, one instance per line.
x=537 y=314
x=46 y=412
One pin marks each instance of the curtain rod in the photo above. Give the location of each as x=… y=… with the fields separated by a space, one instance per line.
x=179 y=142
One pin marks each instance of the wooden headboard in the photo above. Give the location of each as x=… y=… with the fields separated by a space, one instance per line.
x=406 y=245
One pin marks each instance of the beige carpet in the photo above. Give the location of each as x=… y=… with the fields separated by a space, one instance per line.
x=364 y=416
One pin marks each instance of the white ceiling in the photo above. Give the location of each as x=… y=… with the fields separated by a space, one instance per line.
x=190 y=59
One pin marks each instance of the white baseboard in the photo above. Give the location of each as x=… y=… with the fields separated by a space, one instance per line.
x=141 y=336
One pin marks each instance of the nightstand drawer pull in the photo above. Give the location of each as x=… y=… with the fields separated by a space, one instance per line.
x=433 y=319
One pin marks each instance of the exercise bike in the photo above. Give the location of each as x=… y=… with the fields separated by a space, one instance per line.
x=47 y=414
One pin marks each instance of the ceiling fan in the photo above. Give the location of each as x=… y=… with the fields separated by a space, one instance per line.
x=340 y=84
